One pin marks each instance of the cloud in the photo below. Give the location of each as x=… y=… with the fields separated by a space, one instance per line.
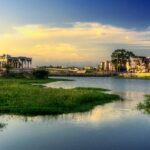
x=55 y=52
x=104 y=34
x=81 y=42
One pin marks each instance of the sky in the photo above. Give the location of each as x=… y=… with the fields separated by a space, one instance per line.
x=73 y=32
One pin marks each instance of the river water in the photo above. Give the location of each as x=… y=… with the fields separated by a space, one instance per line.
x=115 y=126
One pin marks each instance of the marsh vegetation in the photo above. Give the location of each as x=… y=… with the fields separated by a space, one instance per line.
x=20 y=96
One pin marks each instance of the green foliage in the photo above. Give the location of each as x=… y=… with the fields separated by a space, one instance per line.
x=90 y=71
x=145 y=106
x=40 y=74
x=120 y=57
x=90 y=88
x=7 y=67
x=19 y=96
x=18 y=75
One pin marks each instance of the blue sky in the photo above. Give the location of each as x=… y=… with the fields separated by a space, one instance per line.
x=125 y=13
x=100 y=17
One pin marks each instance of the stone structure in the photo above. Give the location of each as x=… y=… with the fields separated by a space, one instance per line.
x=138 y=64
x=106 y=66
x=16 y=62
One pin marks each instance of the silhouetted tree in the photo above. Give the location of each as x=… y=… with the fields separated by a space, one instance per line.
x=120 y=57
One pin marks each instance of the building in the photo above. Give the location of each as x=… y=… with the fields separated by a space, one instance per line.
x=106 y=66
x=101 y=66
x=138 y=64
x=15 y=62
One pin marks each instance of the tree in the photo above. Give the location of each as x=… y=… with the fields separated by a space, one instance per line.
x=120 y=57
x=8 y=67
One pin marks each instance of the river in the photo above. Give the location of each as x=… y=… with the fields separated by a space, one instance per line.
x=115 y=126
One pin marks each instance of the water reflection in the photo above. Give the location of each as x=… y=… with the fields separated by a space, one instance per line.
x=101 y=114
x=128 y=89
x=133 y=92
x=117 y=125
x=2 y=126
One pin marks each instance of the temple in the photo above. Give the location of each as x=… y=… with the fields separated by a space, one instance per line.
x=16 y=62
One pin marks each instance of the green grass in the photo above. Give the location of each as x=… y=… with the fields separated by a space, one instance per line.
x=19 y=96
x=145 y=106
x=89 y=88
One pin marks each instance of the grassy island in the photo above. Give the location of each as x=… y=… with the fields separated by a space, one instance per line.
x=20 y=96
x=145 y=106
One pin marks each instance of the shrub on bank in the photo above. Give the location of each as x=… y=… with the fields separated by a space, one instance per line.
x=22 y=75
x=40 y=74
x=35 y=74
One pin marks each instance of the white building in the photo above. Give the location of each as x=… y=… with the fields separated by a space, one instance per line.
x=106 y=66
x=15 y=62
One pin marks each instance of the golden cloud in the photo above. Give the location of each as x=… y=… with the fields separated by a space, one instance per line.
x=79 y=42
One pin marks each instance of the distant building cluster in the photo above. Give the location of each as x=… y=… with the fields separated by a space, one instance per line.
x=136 y=64
x=15 y=62
x=106 y=66
x=66 y=70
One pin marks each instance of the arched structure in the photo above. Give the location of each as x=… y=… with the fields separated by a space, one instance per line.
x=16 y=62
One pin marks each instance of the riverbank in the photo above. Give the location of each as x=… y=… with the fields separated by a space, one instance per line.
x=102 y=74
x=20 y=96
x=144 y=76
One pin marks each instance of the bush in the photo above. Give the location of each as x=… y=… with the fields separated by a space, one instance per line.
x=40 y=73
x=21 y=75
